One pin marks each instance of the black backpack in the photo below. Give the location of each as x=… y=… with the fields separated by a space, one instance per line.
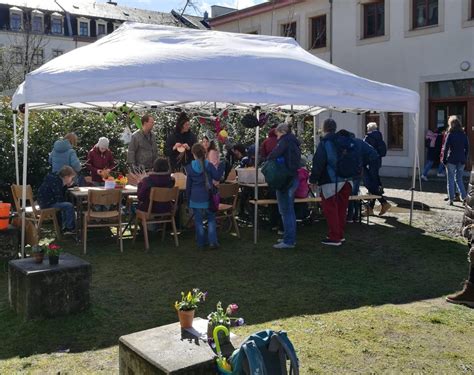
x=348 y=157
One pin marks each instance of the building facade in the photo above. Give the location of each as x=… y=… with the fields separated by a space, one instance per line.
x=423 y=45
x=35 y=31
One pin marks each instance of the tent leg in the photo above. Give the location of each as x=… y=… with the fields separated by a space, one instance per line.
x=415 y=164
x=15 y=136
x=23 y=192
x=255 y=216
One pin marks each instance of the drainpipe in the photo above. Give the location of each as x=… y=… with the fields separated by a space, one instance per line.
x=68 y=18
x=331 y=40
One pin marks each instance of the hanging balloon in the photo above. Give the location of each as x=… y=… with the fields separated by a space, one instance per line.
x=249 y=121
x=222 y=136
x=225 y=113
x=202 y=120
x=217 y=124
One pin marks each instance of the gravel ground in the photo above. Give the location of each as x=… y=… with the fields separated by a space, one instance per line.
x=432 y=213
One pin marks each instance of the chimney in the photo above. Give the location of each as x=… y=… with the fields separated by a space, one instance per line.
x=112 y=2
x=206 y=16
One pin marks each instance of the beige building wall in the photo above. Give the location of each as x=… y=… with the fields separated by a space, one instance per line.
x=402 y=57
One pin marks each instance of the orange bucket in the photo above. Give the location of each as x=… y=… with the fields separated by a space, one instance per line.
x=4 y=215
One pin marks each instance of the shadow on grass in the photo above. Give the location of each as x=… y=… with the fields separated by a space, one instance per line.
x=379 y=264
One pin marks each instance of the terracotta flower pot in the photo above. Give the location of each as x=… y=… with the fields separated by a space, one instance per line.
x=186 y=318
x=38 y=257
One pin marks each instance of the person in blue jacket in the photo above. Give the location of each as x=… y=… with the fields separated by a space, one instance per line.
x=456 y=151
x=200 y=173
x=287 y=152
x=51 y=195
x=64 y=154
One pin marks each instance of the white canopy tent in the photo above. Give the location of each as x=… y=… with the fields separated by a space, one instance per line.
x=154 y=66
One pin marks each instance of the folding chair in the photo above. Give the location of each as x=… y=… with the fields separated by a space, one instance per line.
x=228 y=193
x=158 y=195
x=33 y=212
x=110 y=200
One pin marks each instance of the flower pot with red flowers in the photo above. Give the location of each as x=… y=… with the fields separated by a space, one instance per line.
x=53 y=252
x=188 y=305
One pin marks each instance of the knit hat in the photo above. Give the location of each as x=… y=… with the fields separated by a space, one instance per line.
x=103 y=142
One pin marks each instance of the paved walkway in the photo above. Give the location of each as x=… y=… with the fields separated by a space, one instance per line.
x=432 y=212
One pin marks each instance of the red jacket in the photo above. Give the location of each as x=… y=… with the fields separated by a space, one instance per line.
x=99 y=160
x=268 y=144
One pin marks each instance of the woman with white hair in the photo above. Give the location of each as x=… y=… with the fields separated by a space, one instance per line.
x=100 y=161
x=288 y=153
x=371 y=175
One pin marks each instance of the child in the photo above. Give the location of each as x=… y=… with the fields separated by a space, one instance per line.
x=200 y=173
x=51 y=195
x=160 y=177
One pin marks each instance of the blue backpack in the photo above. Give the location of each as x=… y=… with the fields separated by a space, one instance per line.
x=265 y=353
x=347 y=156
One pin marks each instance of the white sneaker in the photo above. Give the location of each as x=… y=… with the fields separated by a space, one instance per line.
x=440 y=175
x=282 y=245
x=424 y=178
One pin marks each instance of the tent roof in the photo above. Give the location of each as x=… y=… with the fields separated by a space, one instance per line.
x=143 y=63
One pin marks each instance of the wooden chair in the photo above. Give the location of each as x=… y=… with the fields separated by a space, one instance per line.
x=33 y=212
x=180 y=180
x=112 y=217
x=228 y=193
x=232 y=177
x=158 y=195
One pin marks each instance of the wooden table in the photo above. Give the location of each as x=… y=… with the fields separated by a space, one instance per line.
x=81 y=193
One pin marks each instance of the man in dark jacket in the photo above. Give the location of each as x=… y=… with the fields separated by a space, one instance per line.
x=371 y=174
x=51 y=195
x=287 y=152
x=335 y=190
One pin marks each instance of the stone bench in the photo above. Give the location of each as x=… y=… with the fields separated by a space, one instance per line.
x=44 y=291
x=168 y=350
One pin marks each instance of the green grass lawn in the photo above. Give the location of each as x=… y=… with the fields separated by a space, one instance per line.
x=374 y=305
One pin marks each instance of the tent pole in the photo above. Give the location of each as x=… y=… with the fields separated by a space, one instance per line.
x=315 y=133
x=415 y=163
x=23 y=191
x=15 y=136
x=255 y=216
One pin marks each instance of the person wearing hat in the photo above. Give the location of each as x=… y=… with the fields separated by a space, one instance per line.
x=100 y=161
x=179 y=143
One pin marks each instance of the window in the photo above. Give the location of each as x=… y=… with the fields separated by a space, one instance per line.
x=15 y=21
x=83 y=29
x=289 y=30
x=450 y=89
x=395 y=131
x=372 y=117
x=56 y=25
x=318 y=32
x=472 y=9
x=101 y=29
x=425 y=13
x=374 y=19
x=17 y=55
x=38 y=57
x=37 y=24
x=57 y=52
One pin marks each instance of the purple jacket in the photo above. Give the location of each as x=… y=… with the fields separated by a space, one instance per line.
x=143 y=192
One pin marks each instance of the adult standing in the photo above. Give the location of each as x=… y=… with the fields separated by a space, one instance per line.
x=371 y=173
x=100 y=161
x=287 y=152
x=64 y=154
x=269 y=143
x=142 y=149
x=456 y=151
x=335 y=188
x=179 y=144
x=433 y=144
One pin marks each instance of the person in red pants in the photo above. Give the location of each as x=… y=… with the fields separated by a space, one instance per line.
x=336 y=161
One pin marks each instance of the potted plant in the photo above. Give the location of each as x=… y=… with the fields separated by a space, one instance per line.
x=53 y=252
x=222 y=317
x=38 y=252
x=188 y=305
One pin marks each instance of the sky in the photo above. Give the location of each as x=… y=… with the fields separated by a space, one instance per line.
x=201 y=5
